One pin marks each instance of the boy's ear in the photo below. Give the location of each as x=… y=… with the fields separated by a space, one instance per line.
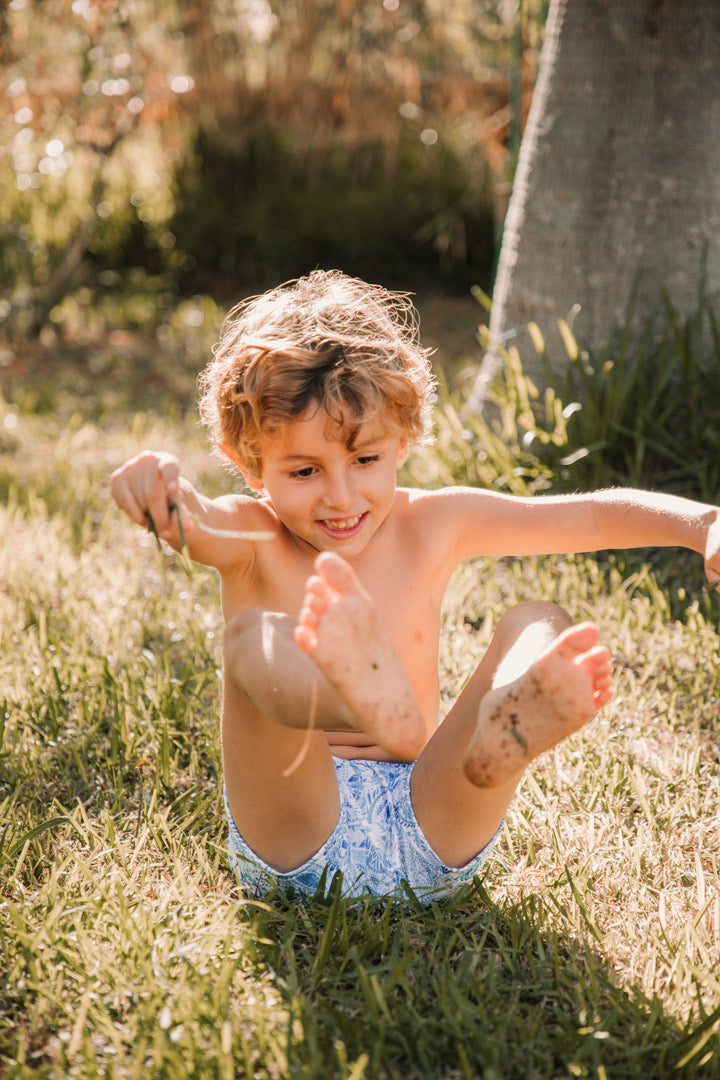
x=403 y=452
x=253 y=482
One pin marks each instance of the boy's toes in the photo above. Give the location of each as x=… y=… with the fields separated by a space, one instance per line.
x=580 y=638
x=316 y=602
x=601 y=696
x=305 y=638
x=315 y=584
x=310 y=615
x=337 y=573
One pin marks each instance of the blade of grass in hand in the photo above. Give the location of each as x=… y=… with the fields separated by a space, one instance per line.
x=184 y=553
x=153 y=529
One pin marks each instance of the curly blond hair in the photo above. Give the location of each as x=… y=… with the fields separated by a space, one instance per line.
x=325 y=339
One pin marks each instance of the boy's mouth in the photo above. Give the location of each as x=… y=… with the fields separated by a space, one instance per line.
x=342 y=527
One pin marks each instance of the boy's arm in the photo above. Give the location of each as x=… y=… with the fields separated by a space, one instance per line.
x=564 y=524
x=151 y=484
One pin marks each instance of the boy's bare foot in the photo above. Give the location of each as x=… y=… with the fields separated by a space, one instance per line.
x=339 y=629
x=558 y=694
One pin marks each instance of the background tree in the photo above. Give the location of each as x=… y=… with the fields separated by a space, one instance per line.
x=619 y=171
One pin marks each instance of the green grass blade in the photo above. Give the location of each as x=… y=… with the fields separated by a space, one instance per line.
x=32 y=834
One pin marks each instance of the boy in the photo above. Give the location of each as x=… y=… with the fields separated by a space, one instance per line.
x=332 y=751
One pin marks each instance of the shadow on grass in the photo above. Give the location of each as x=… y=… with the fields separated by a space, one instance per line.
x=464 y=988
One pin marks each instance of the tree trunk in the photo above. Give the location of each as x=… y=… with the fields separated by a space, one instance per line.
x=619 y=172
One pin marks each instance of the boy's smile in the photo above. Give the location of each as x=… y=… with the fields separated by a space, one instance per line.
x=343 y=528
x=329 y=496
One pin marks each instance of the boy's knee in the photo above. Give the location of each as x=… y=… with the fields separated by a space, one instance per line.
x=251 y=636
x=534 y=612
x=529 y=627
x=248 y=621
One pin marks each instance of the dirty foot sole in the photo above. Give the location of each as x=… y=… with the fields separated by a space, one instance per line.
x=559 y=693
x=340 y=630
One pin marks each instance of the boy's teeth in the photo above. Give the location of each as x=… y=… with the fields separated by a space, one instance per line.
x=348 y=523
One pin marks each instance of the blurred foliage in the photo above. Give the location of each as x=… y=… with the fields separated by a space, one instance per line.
x=147 y=141
x=493 y=449
x=270 y=211
x=88 y=88
x=642 y=413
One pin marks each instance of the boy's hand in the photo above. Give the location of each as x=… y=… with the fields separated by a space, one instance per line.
x=150 y=484
x=712 y=553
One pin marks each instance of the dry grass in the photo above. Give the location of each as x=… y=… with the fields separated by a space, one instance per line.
x=590 y=948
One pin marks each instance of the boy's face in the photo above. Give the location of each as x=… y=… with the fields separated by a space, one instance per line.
x=329 y=497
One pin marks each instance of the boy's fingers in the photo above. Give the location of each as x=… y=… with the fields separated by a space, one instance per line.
x=712 y=555
x=165 y=491
x=148 y=484
x=156 y=499
x=170 y=472
x=165 y=516
x=125 y=498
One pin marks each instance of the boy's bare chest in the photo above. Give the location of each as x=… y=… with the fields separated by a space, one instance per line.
x=407 y=603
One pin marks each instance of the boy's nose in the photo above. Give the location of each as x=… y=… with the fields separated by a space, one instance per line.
x=338 y=493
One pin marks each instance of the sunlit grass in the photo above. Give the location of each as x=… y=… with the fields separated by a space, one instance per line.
x=589 y=949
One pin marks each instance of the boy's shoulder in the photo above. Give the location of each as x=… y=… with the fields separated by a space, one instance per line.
x=415 y=502
x=457 y=519
x=224 y=537
x=428 y=500
x=242 y=506
x=435 y=511
x=413 y=495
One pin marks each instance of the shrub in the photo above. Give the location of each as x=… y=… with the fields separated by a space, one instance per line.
x=269 y=210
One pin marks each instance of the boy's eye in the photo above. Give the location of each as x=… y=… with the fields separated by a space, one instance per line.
x=304 y=473
x=368 y=459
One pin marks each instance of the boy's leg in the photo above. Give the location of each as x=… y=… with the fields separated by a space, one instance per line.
x=272 y=695
x=541 y=679
x=506 y=715
x=340 y=631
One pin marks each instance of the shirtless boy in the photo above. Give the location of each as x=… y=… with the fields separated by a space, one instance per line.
x=332 y=751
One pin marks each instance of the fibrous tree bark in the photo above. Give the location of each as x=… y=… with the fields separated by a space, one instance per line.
x=618 y=174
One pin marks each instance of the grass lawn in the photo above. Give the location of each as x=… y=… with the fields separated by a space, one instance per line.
x=589 y=949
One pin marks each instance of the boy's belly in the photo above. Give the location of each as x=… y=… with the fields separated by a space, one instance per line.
x=355 y=744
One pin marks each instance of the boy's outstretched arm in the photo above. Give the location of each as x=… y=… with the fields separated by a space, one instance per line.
x=151 y=484
x=636 y=518
x=492 y=523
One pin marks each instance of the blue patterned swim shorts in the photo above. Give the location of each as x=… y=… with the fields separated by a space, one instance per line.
x=377 y=843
